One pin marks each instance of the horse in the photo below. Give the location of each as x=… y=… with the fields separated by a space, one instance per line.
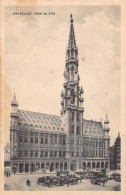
x=102 y=181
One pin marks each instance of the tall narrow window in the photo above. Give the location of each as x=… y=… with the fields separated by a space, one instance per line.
x=60 y=153
x=46 y=154
x=55 y=139
x=72 y=53
x=42 y=154
x=55 y=154
x=72 y=96
x=42 y=140
x=72 y=73
x=72 y=116
x=46 y=140
x=51 y=139
x=72 y=130
x=31 y=153
x=77 y=117
x=78 y=130
x=36 y=139
x=36 y=154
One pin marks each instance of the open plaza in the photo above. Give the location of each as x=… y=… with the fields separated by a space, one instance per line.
x=17 y=182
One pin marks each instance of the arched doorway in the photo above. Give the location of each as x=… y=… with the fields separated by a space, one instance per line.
x=26 y=167
x=102 y=165
x=65 y=167
x=73 y=165
x=106 y=165
x=21 y=167
x=98 y=165
x=32 y=167
x=61 y=166
x=57 y=166
x=37 y=165
x=15 y=167
x=84 y=166
x=52 y=167
x=43 y=166
x=47 y=166
x=89 y=165
x=93 y=165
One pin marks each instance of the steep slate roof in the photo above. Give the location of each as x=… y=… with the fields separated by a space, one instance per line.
x=41 y=121
x=92 y=128
x=53 y=123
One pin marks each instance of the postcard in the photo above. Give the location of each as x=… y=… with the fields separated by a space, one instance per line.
x=63 y=97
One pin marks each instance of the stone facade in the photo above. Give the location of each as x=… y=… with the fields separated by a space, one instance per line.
x=115 y=154
x=66 y=142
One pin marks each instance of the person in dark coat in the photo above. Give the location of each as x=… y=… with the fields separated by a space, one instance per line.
x=68 y=183
x=28 y=182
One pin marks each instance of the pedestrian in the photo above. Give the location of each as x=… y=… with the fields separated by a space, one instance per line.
x=68 y=183
x=8 y=173
x=61 y=182
x=27 y=182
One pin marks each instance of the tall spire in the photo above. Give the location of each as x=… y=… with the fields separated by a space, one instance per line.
x=72 y=50
x=72 y=97
x=72 y=41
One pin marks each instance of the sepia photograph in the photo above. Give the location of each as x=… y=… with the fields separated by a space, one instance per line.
x=62 y=98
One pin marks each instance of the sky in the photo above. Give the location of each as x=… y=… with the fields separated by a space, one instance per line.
x=35 y=51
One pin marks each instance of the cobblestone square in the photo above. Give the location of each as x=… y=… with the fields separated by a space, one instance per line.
x=18 y=183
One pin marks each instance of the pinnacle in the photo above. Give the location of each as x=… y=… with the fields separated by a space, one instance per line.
x=72 y=42
x=14 y=98
x=71 y=18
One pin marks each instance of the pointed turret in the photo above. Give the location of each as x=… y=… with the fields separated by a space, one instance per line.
x=106 y=126
x=14 y=105
x=106 y=119
x=14 y=101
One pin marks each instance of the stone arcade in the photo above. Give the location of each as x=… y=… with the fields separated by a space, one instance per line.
x=66 y=142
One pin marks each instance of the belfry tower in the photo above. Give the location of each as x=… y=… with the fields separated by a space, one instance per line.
x=72 y=104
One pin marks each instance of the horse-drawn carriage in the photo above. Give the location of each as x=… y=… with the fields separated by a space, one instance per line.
x=98 y=177
x=99 y=181
x=58 y=180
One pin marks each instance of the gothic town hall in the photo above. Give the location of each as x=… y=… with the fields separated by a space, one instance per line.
x=66 y=142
